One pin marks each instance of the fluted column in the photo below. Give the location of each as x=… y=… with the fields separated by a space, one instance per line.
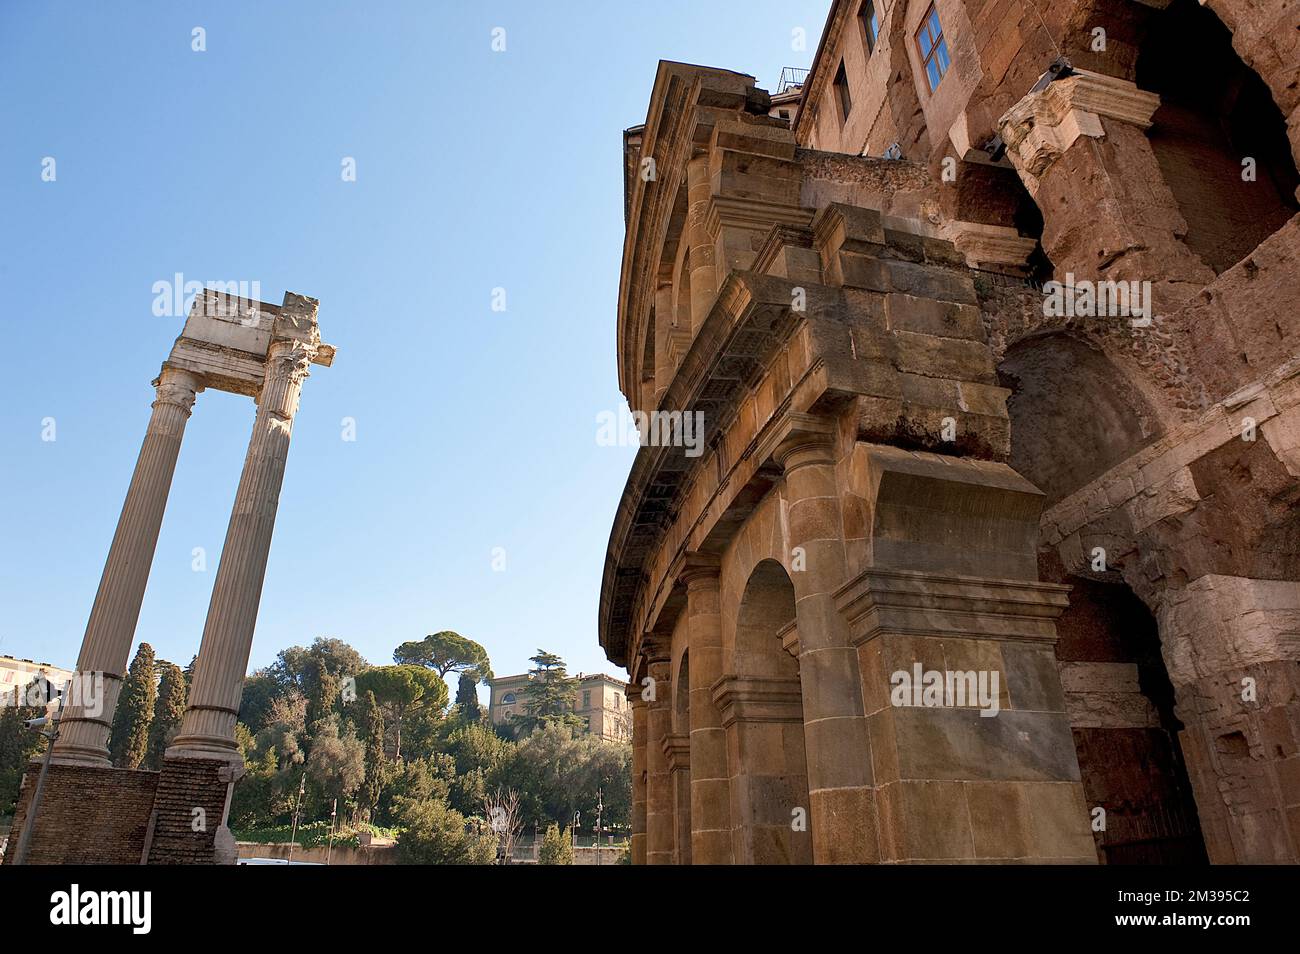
x=208 y=727
x=84 y=727
x=639 y=729
x=659 y=789
x=710 y=782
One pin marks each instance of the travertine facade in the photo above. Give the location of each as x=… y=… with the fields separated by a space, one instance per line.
x=246 y=347
x=917 y=464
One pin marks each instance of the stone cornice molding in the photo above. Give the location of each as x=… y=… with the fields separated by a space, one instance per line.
x=755 y=214
x=911 y=603
x=757 y=699
x=684 y=105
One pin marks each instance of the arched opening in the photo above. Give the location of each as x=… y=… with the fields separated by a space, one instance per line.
x=1215 y=114
x=1121 y=708
x=1064 y=436
x=765 y=743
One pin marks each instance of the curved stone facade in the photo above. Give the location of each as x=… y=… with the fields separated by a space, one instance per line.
x=956 y=573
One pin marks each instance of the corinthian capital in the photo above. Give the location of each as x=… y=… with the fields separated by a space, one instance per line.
x=177 y=387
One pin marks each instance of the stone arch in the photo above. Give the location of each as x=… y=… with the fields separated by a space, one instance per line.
x=1074 y=414
x=1215 y=112
x=761 y=702
x=679 y=759
x=1121 y=706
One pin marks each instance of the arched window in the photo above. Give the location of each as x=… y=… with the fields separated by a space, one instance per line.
x=508 y=699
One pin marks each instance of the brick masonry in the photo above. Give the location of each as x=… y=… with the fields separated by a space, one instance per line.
x=87 y=816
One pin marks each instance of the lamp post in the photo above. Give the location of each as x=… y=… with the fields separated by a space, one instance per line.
x=29 y=823
x=293 y=832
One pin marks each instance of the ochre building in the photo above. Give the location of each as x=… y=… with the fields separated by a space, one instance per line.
x=995 y=347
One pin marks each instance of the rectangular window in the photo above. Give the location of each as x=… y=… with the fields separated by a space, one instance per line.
x=586 y=698
x=933 y=48
x=842 y=93
x=870 y=24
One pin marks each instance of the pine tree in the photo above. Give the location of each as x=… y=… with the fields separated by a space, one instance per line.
x=167 y=712
x=135 y=711
x=550 y=694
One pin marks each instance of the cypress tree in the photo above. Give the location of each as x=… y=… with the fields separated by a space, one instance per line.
x=167 y=713
x=130 y=735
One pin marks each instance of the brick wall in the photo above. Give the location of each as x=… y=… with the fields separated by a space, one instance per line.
x=183 y=836
x=87 y=815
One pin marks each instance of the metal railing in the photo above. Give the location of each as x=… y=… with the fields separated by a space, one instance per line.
x=791 y=77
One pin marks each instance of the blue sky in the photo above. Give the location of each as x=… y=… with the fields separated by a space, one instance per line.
x=475 y=429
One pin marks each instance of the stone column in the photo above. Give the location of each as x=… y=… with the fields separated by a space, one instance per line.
x=840 y=779
x=639 y=731
x=677 y=749
x=704 y=277
x=84 y=728
x=710 y=785
x=1080 y=147
x=1230 y=647
x=208 y=728
x=659 y=790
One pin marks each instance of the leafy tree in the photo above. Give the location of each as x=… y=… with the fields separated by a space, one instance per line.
x=557 y=847
x=446 y=652
x=18 y=745
x=376 y=769
x=338 y=760
x=167 y=712
x=260 y=691
x=402 y=690
x=130 y=734
x=550 y=693
x=435 y=834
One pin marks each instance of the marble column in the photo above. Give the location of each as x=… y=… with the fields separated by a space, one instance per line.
x=710 y=783
x=106 y=647
x=208 y=727
x=639 y=729
x=659 y=791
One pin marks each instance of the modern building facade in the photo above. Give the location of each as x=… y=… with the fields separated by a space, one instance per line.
x=599 y=700
x=990 y=550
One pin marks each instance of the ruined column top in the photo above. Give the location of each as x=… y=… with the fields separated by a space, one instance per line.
x=226 y=338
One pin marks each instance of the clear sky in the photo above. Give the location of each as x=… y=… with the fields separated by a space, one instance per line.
x=475 y=170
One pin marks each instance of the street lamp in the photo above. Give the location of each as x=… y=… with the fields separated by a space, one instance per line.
x=29 y=823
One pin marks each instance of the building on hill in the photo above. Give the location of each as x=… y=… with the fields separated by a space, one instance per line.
x=599 y=700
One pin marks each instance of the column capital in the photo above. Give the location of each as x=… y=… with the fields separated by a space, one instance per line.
x=798 y=439
x=757 y=699
x=678 y=750
x=1044 y=124
x=632 y=693
x=699 y=571
x=177 y=386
